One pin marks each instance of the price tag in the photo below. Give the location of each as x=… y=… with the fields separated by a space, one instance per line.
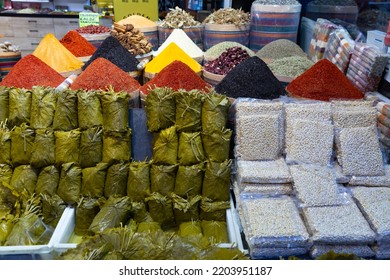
x=88 y=19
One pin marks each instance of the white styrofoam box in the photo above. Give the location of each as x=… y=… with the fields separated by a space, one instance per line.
x=306 y=33
x=377 y=38
x=66 y=226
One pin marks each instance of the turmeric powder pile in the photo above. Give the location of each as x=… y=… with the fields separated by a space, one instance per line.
x=53 y=53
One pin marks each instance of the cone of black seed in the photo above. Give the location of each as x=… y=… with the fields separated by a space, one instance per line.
x=112 y=50
x=253 y=79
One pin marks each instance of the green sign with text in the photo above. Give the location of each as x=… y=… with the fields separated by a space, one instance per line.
x=88 y=19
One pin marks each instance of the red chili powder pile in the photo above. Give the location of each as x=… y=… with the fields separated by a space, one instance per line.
x=31 y=71
x=77 y=44
x=102 y=74
x=176 y=75
x=323 y=81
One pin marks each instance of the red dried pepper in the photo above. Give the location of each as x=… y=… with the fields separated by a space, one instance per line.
x=323 y=81
x=31 y=71
x=101 y=74
x=77 y=44
x=177 y=75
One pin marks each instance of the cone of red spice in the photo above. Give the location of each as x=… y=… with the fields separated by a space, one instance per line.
x=77 y=44
x=177 y=75
x=101 y=74
x=323 y=81
x=31 y=71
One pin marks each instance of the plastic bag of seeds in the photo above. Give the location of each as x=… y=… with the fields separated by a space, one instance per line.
x=213 y=210
x=214 y=111
x=216 y=144
x=162 y=178
x=160 y=108
x=52 y=208
x=91 y=146
x=189 y=180
x=116 y=180
x=216 y=181
x=69 y=187
x=86 y=210
x=66 y=113
x=4 y=103
x=5 y=143
x=189 y=110
x=22 y=140
x=43 y=106
x=186 y=209
x=67 y=146
x=92 y=182
x=165 y=146
x=190 y=148
x=90 y=112
x=43 y=150
x=138 y=182
x=19 y=106
x=48 y=180
x=215 y=231
x=116 y=146
x=23 y=178
x=116 y=210
x=161 y=210
x=115 y=110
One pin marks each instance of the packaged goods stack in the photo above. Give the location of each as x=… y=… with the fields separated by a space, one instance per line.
x=366 y=67
x=322 y=30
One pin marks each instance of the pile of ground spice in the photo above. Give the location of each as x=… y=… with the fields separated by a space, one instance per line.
x=112 y=50
x=177 y=75
x=77 y=44
x=251 y=78
x=30 y=71
x=101 y=74
x=323 y=81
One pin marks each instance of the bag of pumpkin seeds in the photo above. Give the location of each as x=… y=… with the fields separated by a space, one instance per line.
x=116 y=180
x=92 y=182
x=43 y=149
x=215 y=231
x=162 y=178
x=160 y=109
x=213 y=210
x=90 y=112
x=189 y=180
x=189 y=110
x=43 y=106
x=19 y=106
x=161 y=210
x=91 y=146
x=48 y=180
x=215 y=111
x=138 y=182
x=165 y=146
x=69 y=187
x=4 y=103
x=67 y=146
x=190 y=148
x=190 y=228
x=86 y=210
x=116 y=146
x=216 y=144
x=185 y=209
x=66 y=113
x=116 y=210
x=5 y=143
x=52 y=208
x=115 y=110
x=139 y=212
x=23 y=178
x=22 y=141
x=216 y=181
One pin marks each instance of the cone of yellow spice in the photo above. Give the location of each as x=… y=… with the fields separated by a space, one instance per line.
x=53 y=53
x=171 y=53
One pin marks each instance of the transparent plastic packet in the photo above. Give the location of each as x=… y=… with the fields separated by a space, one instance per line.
x=273 y=222
x=361 y=251
x=372 y=181
x=276 y=253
